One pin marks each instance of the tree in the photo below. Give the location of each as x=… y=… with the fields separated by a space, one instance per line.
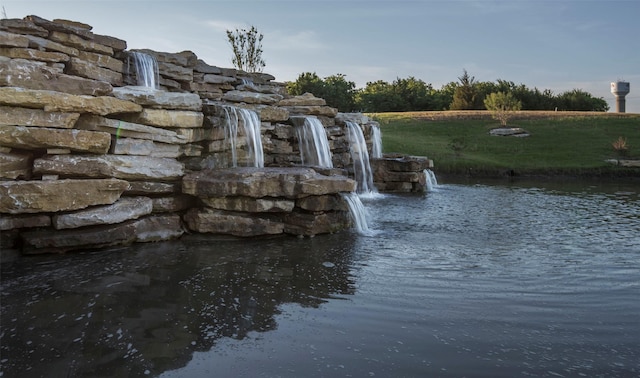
x=466 y=95
x=379 y=96
x=335 y=89
x=502 y=105
x=578 y=99
x=307 y=82
x=247 y=49
x=340 y=93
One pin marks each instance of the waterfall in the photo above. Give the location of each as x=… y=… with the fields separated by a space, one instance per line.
x=358 y=213
x=360 y=156
x=432 y=183
x=146 y=68
x=314 y=144
x=376 y=139
x=251 y=126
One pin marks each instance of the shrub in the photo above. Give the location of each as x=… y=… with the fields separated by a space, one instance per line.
x=502 y=105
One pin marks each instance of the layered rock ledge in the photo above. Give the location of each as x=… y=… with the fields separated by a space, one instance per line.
x=91 y=159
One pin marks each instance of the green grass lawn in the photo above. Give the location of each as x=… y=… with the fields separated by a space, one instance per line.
x=569 y=144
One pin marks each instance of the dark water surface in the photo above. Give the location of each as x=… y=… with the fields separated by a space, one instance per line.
x=477 y=280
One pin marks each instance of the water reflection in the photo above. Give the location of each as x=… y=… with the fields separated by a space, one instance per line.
x=495 y=279
x=146 y=309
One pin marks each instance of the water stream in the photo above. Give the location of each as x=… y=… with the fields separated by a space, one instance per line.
x=314 y=144
x=360 y=158
x=146 y=68
x=251 y=124
x=376 y=142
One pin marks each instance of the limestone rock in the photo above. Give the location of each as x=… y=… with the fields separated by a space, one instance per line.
x=19 y=26
x=129 y=129
x=52 y=101
x=402 y=163
x=264 y=182
x=358 y=118
x=32 y=54
x=218 y=79
x=509 y=131
x=309 y=224
x=28 y=74
x=325 y=111
x=115 y=43
x=58 y=241
x=142 y=147
x=238 y=224
x=272 y=113
x=155 y=228
x=251 y=97
x=101 y=60
x=175 y=72
x=14 y=165
x=41 y=137
x=145 y=188
x=322 y=203
x=159 y=99
x=10 y=222
x=18 y=197
x=13 y=40
x=167 y=118
x=80 y=43
x=119 y=166
x=250 y=205
x=36 y=117
x=202 y=66
x=82 y=68
x=64 y=27
x=173 y=204
x=126 y=208
x=47 y=45
x=307 y=99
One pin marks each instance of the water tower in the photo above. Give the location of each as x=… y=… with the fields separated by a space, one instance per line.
x=620 y=89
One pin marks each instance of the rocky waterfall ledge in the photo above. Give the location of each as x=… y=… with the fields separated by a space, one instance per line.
x=88 y=159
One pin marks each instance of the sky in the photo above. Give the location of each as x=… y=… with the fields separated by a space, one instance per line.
x=546 y=44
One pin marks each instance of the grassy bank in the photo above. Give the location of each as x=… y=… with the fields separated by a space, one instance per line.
x=561 y=143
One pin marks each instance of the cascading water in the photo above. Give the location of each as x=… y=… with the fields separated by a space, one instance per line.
x=146 y=68
x=432 y=183
x=360 y=156
x=376 y=139
x=251 y=124
x=314 y=144
x=358 y=213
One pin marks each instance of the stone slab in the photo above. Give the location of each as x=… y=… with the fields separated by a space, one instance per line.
x=124 y=209
x=16 y=116
x=238 y=224
x=42 y=137
x=20 y=197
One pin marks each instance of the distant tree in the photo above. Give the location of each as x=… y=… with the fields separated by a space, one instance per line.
x=415 y=94
x=443 y=97
x=247 y=49
x=335 y=90
x=307 y=82
x=580 y=100
x=340 y=93
x=379 y=96
x=502 y=105
x=466 y=95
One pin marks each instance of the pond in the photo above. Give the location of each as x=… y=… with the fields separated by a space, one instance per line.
x=477 y=279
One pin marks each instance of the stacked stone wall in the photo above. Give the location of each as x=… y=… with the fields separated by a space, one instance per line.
x=90 y=160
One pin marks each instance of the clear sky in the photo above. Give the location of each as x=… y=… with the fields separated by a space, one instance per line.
x=549 y=44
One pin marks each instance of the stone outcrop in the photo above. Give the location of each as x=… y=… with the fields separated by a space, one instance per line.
x=255 y=201
x=90 y=159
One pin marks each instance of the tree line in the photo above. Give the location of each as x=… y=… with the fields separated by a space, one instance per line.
x=411 y=94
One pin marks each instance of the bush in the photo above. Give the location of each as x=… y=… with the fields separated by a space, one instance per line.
x=502 y=105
